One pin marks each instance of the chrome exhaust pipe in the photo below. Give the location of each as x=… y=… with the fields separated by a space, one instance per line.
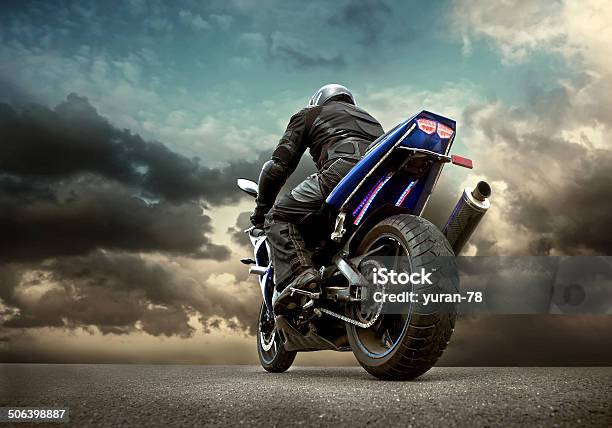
x=466 y=215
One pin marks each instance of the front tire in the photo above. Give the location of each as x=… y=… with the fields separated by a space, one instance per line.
x=272 y=354
x=403 y=346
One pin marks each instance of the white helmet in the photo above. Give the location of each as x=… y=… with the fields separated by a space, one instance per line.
x=328 y=91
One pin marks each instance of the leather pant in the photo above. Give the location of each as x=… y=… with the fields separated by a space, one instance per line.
x=289 y=253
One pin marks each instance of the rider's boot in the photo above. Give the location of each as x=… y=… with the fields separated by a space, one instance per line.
x=288 y=299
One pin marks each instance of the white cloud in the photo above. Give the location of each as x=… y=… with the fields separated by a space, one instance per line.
x=223 y=21
x=535 y=151
x=116 y=86
x=121 y=89
x=578 y=31
x=194 y=20
x=219 y=140
x=136 y=7
x=392 y=105
x=517 y=27
x=254 y=41
x=520 y=27
x=588 y=28
x=158 y=23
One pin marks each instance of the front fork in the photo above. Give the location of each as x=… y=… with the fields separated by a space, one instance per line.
x=267 y=289
x=261 y=266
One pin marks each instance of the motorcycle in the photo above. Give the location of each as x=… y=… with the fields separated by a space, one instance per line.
x=370 y=220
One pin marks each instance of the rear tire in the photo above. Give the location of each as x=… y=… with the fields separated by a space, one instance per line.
x=421 y=337
x=272 y=354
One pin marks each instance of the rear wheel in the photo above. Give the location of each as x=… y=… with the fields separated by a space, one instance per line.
x=272 y=355
x=403 y=345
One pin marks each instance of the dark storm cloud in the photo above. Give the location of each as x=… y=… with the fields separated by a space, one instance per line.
x=13 y=94
x=572 y=219
x=10 y=276
x=530 y=340
x=558 y=187
x=237 y=231
x=70 y=182
x=116 y=292
x=366 y=18
x=442 y=200
x=73 y=139
x=79 y=199
x=77 y=215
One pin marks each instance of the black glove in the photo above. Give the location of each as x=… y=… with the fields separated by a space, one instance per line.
x=258 y=217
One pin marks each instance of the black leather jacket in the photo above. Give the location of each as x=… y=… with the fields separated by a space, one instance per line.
x=335 y=129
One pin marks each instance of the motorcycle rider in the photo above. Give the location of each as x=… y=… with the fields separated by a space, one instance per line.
x=337 y=132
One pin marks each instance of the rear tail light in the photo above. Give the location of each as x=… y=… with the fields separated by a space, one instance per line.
x=427 y=126
x=444 y=131
x=430 y=126
x=461 y=161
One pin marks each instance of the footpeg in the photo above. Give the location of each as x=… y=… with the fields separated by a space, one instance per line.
x=305 y=293
x=308 y=304
x=258 y=270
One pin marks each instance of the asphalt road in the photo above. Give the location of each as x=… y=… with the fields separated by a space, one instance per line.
x=159 y=395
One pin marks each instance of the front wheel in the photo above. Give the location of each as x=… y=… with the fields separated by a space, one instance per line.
x=403 y=345
x=272 y=354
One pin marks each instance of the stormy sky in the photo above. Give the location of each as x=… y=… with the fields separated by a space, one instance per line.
x=123 y=129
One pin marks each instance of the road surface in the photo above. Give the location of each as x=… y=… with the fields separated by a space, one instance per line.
x=172 y=395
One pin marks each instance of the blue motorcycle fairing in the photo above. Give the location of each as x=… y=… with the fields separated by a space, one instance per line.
x=338 y=196
x=386 y=184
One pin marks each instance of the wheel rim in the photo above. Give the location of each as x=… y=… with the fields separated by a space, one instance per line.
x=269 y=339
x=389 y=329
